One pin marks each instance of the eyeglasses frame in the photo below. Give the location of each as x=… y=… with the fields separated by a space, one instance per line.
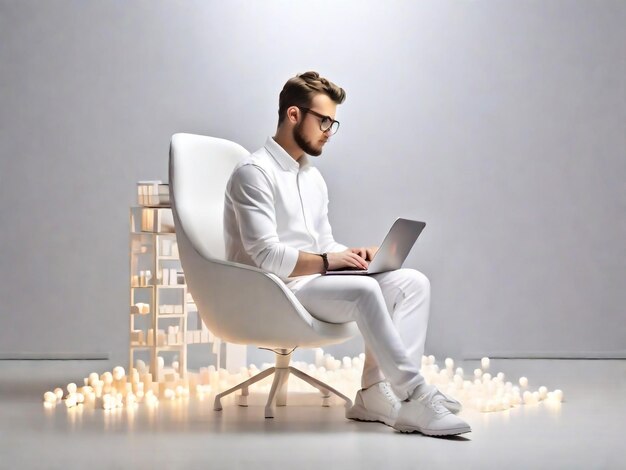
x=322 y=117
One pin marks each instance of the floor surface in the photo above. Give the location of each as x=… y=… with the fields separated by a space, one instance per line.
x=585 y=432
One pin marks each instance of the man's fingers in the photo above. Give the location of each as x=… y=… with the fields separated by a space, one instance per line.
x=371 y=252
x=358 y=261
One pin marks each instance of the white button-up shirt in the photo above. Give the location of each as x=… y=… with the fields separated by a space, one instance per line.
x=275 y=207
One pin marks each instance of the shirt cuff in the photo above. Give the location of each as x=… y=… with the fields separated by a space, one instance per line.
x=288 y=263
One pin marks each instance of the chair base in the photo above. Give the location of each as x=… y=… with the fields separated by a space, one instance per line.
x=278 y=392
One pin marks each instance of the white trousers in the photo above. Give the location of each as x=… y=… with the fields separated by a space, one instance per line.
x=391 y=310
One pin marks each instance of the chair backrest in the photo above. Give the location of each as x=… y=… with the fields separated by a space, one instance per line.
x=200 y=167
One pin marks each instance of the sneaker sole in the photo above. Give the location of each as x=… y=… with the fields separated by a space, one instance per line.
x=433 y=432
x=360 y=413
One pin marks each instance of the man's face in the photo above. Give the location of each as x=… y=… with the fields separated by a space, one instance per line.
x=307 y=132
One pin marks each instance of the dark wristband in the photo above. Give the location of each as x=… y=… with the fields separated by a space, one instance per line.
x=325 y=259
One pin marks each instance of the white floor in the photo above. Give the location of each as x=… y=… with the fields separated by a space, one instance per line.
x=585 y=432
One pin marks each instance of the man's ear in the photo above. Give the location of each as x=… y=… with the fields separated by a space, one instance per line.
x=293 y=114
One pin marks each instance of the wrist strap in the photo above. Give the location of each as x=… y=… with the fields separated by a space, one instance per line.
x=325 y=259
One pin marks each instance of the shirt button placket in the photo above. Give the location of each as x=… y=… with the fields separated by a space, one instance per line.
x=306 y=224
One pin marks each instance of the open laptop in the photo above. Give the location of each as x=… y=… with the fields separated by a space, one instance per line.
x=394 y=249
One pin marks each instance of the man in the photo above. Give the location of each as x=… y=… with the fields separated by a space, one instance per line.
x=276 y=218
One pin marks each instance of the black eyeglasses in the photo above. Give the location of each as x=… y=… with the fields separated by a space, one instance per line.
x=327 y=124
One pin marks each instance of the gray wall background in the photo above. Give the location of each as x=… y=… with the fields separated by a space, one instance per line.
x=500 y=123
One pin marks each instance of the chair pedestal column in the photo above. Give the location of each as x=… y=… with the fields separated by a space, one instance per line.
x=278 y=391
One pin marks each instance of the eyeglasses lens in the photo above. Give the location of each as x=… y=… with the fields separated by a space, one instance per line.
x=329 y=124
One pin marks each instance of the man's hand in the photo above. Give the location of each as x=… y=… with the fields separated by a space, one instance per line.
x=346 y=259
x=365 y=253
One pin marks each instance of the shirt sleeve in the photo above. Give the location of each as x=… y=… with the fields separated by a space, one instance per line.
x=253 y=202
x=327 y=241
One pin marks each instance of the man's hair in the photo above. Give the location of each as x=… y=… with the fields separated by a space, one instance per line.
x=300 y=90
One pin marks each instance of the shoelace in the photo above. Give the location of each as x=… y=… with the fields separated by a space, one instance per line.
x=386 y=389
x=438 y=407
x=433 y=403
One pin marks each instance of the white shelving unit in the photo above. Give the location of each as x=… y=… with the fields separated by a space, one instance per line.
x=160 y=301
x=162 y=325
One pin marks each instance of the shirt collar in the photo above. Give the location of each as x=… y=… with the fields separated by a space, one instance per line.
x=285 y=160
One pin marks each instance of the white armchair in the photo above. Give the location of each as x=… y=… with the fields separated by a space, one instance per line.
x=238 y=303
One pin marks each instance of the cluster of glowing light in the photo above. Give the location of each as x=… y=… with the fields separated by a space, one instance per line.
x=113 y=390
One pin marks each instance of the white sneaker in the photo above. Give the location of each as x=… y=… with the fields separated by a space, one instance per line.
x=428 y=415
x=375 y=403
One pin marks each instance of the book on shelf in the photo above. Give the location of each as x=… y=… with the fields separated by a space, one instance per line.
x=157 y=219
x=153 y=193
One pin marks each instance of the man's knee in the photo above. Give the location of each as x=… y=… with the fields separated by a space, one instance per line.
x=369 y=295
x=367 y=287
x=417 y=280
x=354 y=288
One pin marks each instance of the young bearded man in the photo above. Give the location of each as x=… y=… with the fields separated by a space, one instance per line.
x=276 y=218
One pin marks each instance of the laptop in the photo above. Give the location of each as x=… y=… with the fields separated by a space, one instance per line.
x=393 y=251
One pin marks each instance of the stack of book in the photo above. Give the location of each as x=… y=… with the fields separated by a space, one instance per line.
x=153 y=193
x=156 y=214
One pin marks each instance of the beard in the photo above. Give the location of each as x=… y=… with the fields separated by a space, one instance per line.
x=305 y=144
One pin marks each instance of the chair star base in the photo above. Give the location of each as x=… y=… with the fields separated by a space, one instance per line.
x=278 y=392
